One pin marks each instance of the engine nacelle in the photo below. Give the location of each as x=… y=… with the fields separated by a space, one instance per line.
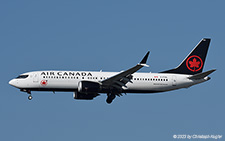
x=83 y=96
x=88 y=87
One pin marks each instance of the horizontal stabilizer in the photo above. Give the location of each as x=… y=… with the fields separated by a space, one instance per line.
x=201 y=75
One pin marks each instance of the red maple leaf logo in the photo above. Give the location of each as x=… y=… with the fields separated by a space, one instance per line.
x=194 y=63
x=44 y=82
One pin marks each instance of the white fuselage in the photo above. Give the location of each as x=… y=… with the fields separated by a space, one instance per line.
x=68 y=81
x=87 y=85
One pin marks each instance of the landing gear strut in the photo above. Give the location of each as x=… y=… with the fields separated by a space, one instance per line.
x=29 y=92
x=110 y=98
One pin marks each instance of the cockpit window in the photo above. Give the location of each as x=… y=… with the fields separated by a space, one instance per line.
x=22 y=76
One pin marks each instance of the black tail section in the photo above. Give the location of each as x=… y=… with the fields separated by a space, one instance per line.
x=195 y=61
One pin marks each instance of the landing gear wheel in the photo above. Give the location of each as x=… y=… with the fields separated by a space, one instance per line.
x=110 y=98
x=30 y=97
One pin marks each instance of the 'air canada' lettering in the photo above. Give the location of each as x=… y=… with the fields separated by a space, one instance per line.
x=60 y=73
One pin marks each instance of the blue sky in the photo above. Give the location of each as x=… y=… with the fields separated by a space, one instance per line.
x=109 y=36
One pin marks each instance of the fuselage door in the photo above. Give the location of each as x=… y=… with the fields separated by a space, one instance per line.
x=35 y=78
x=174 y=80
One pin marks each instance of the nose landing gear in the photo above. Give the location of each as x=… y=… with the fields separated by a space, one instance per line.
x=30 y=97
x=28 y=92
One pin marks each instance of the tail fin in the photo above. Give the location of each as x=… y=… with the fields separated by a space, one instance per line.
x=195 y=61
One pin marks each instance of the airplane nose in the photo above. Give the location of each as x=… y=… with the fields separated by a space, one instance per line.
x=12 y=82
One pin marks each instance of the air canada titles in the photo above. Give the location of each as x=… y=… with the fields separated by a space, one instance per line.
x=66 y=73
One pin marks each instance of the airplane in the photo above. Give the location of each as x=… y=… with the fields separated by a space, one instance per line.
x=86 y=85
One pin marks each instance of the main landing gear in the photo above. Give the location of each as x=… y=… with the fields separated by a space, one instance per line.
x=110 y=98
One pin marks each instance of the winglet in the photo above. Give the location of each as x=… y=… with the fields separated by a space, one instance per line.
x=144 y=60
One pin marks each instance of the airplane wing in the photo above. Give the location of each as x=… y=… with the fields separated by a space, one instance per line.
x=121 y=79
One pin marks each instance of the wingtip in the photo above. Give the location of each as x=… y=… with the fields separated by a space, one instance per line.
x=144 y=60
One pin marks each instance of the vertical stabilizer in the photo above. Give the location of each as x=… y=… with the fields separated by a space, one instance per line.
x=195 y=61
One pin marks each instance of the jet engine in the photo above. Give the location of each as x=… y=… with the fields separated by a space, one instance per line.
x=83 y=96
x=89 y=87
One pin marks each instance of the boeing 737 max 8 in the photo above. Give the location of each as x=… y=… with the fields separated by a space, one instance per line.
x=87 y=85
